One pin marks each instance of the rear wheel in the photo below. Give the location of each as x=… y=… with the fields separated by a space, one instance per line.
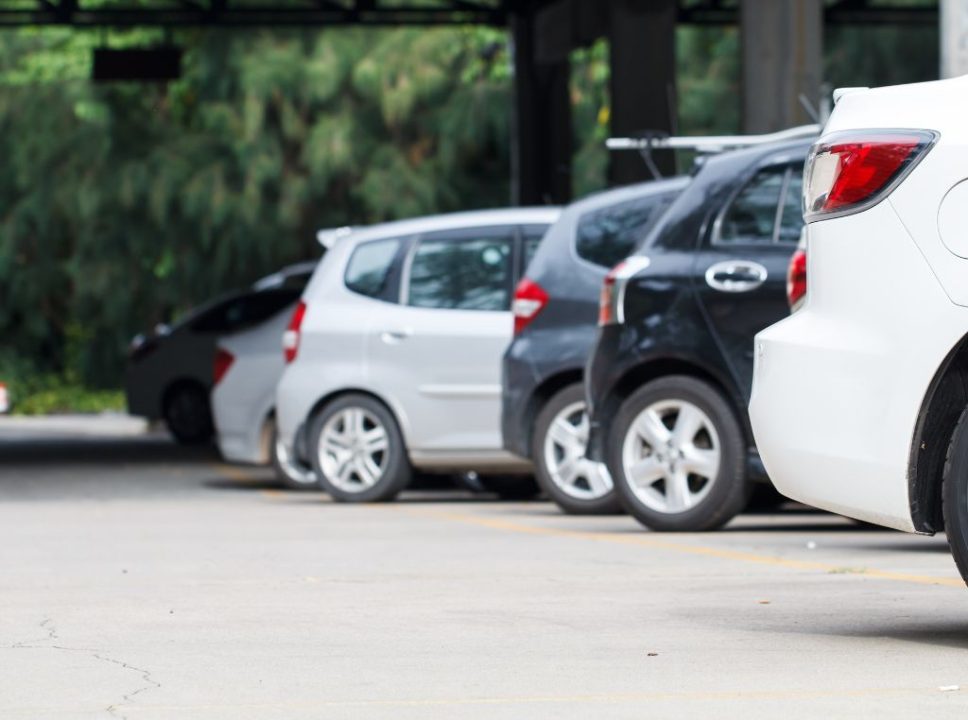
x=188 y=414
x=577 y=485
x=288 y=469
x=677 y=456
x=954 y=494
x=358 y=452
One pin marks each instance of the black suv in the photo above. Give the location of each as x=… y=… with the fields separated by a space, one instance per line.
x=669 y=379
x=555 y=307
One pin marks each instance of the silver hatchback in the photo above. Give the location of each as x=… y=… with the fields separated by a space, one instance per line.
x=395 y=352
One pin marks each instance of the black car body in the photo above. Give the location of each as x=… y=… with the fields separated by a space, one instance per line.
x=556 y=308
x=684 y=312
x=169 y=371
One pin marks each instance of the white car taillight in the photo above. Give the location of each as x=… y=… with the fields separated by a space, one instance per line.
x=850 y=171
x=611 y=302
x=290 y=338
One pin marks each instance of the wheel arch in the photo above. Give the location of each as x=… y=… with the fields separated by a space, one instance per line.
x=182 y=381
x=540 y=396
x=941 y=408
x=396 y=413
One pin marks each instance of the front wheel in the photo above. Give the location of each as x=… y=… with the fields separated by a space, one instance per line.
x=677 y=456
x=358 y=452
x=954 y=495
x=578 y=486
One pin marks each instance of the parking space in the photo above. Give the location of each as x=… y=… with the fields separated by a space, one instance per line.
x=143 y=580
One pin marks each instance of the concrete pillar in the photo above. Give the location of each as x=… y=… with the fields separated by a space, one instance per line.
x=782 y=48
x=643 y=79
x=954 y=38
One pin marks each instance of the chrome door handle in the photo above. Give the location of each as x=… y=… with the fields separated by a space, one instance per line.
x=736 y=276
x=393 y=337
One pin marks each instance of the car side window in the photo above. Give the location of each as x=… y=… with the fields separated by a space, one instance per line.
x=369 y=267
x=469 y=272
x=791 y=215
x=607 y=236
x=751 y=218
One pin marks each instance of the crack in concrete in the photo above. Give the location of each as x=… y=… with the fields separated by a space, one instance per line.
x=114 y=709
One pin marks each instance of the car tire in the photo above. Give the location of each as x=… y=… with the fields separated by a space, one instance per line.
x=357 y=451
x=510 y=487
x=290 y=472
x=574 y=483
x=188 y=414
x=954 y=495
x=683 y=441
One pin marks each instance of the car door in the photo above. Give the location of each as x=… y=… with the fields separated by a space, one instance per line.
x=741 y=273
x=438 y=354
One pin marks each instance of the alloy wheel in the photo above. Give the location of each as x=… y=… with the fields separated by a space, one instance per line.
x=671 y=456
x=293 y=469
x=353 y=450
x=564 y=456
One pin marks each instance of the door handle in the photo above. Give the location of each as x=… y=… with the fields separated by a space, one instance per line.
x=736 y=276
x=394 y=337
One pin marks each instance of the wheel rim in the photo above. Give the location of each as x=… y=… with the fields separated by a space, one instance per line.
x=293 y=469
x=564 y=456
x=671 y=456
x=353 y=450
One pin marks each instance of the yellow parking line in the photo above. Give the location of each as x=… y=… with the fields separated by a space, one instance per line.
x=647 y=540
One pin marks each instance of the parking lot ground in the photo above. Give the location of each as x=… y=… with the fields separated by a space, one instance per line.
x=142 y=580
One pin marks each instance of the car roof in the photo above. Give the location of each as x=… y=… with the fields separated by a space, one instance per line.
x=476 y=218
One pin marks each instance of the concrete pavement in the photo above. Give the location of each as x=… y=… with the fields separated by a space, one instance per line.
x=142 y=580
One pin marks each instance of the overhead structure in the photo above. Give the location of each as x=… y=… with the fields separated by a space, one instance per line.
x=782 y=41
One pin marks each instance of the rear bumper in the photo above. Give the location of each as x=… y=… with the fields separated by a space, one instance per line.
x=518 y=383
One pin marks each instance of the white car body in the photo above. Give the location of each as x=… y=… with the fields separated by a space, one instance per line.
x=244 y=400
x=437 y=370
x=844 y=405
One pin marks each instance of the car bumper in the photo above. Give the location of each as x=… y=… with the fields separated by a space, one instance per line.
x=517 y=388
x=606 y=365
x=838 y=387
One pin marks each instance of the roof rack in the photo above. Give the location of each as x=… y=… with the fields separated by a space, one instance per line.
x=649 y=141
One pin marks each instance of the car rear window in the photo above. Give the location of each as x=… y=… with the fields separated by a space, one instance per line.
x=607 y=236
x=369 y=267
x=244 y=311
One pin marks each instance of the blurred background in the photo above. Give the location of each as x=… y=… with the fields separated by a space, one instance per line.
x=157 y=154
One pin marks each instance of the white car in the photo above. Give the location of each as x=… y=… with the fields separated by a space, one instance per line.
x=395 y=353
x=247 y=369
x=860 y=397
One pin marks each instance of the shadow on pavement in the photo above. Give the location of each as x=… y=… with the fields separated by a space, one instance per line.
x=145 y=450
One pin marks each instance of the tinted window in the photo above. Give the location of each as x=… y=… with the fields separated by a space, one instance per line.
x=791 y=219
x=245 y=311
x=751 y=219
x=465 y=274
x=369 y=267
x=608 y=236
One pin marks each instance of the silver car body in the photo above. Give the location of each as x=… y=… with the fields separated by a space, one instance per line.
x=437 y=370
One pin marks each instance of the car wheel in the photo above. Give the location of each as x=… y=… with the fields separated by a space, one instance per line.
x=954 y=495
x=358 y=452
x=510 y=487
x=577 y=485
x=677 y=456
x=293 y=474
x=188 y=414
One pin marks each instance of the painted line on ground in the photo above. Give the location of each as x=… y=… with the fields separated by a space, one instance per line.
x=645 y=539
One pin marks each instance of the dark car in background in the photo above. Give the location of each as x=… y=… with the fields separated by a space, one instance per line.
x=555 y=308
x=169 y=373
x=669 y=379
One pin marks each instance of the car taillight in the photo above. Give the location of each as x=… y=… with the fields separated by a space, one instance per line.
x=612 y=297
x=797 y=279
x=529 y=300
x=290 y=338
x=223 y=361
x=851 y=171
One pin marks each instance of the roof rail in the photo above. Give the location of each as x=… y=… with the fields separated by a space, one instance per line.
x=649 y=141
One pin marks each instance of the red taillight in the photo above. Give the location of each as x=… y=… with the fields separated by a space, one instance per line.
x=797 y=278
x=606 y=299
x=529 y=300
x=290 y=338
x=223 y=361
x=852 y=171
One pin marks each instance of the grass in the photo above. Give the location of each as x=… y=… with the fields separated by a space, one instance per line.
x=50 y=394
